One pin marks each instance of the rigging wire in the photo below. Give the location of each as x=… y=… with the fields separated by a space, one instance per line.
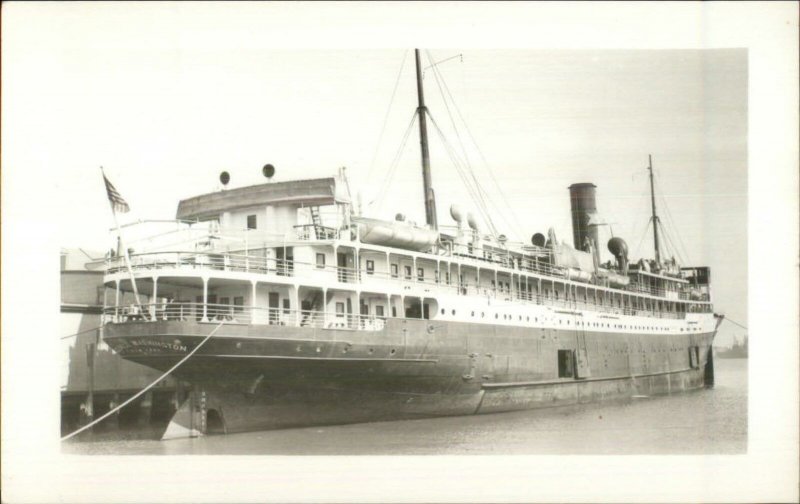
x=646 y=228
x=484 y=196
x=675 y=227
x=394 y=164
x=457 y=164
x=386 y=118
x=460 y=56
x=473 y=191
x=669 y=232
x=461 y=173
x=519 y=227
x=643 y=208
x=516 y=224
x=437 y=78
x=672 y=220
x=669 y=247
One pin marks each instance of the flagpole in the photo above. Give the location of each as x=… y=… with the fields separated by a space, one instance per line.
x=125 y=253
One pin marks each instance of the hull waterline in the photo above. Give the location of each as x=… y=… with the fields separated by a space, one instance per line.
x=249 y=378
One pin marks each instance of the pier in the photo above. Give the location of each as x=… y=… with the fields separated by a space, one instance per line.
x=94 y=380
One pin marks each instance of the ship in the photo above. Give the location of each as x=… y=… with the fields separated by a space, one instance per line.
x=739 y=350
x=284 y=307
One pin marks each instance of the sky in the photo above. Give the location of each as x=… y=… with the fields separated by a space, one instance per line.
x=165 y=120
x=166 y=95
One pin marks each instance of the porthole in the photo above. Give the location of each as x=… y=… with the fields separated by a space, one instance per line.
x=442 y=311
x=392 y=351
x=496 y=316
x=482 y=314
x=472 y=314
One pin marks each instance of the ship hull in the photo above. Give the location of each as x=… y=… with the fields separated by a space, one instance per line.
x=251 y=377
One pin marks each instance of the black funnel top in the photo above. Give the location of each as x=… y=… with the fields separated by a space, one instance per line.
x=582 y=203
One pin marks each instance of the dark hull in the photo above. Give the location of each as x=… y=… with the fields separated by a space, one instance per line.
x=264 y=377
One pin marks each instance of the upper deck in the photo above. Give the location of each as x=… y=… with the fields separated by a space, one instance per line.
x=312 y=254
x=298 y=247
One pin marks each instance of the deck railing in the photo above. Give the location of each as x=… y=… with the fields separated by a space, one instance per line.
x=238 y=314
x=307 y=232
x=414 y=284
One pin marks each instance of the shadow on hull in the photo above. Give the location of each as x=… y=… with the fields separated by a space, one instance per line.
x=210 y=410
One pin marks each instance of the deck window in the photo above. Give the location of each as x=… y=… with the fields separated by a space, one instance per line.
x=407 y=270
x=394 y=270
x=379 y=310
x=238 y=304
x=420 y=274
x=252 y=222
x=320 y=260
x=370 y=267
x=339 y=309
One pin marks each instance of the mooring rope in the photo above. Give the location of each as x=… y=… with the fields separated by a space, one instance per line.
x=135 y=396
x=736 y=323
x=81 y=332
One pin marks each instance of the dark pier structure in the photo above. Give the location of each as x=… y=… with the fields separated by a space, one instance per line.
x=94 y=379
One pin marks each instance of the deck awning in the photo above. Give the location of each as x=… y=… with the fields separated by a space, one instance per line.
x=313 y=192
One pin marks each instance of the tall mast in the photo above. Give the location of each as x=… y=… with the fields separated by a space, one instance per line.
x=655 y=217
x=430 y=202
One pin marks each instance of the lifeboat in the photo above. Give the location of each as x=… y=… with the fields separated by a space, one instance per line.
x=395 y=234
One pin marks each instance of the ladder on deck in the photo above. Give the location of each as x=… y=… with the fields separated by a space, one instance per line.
x=316 y=220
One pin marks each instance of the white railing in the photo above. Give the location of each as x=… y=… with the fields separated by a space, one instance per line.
x=575 y=304
x=238 y=314
x=204 y=261
x=308 y=232
x=413 y=283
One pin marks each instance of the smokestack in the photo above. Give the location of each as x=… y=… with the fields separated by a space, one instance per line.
x=582 y=202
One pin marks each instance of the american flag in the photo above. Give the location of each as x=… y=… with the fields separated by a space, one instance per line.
x=118 y=204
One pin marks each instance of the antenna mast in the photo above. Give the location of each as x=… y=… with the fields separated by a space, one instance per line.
x=655 y=217
x=430 y=201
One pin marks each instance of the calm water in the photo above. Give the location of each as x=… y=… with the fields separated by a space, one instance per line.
x=700 y=422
